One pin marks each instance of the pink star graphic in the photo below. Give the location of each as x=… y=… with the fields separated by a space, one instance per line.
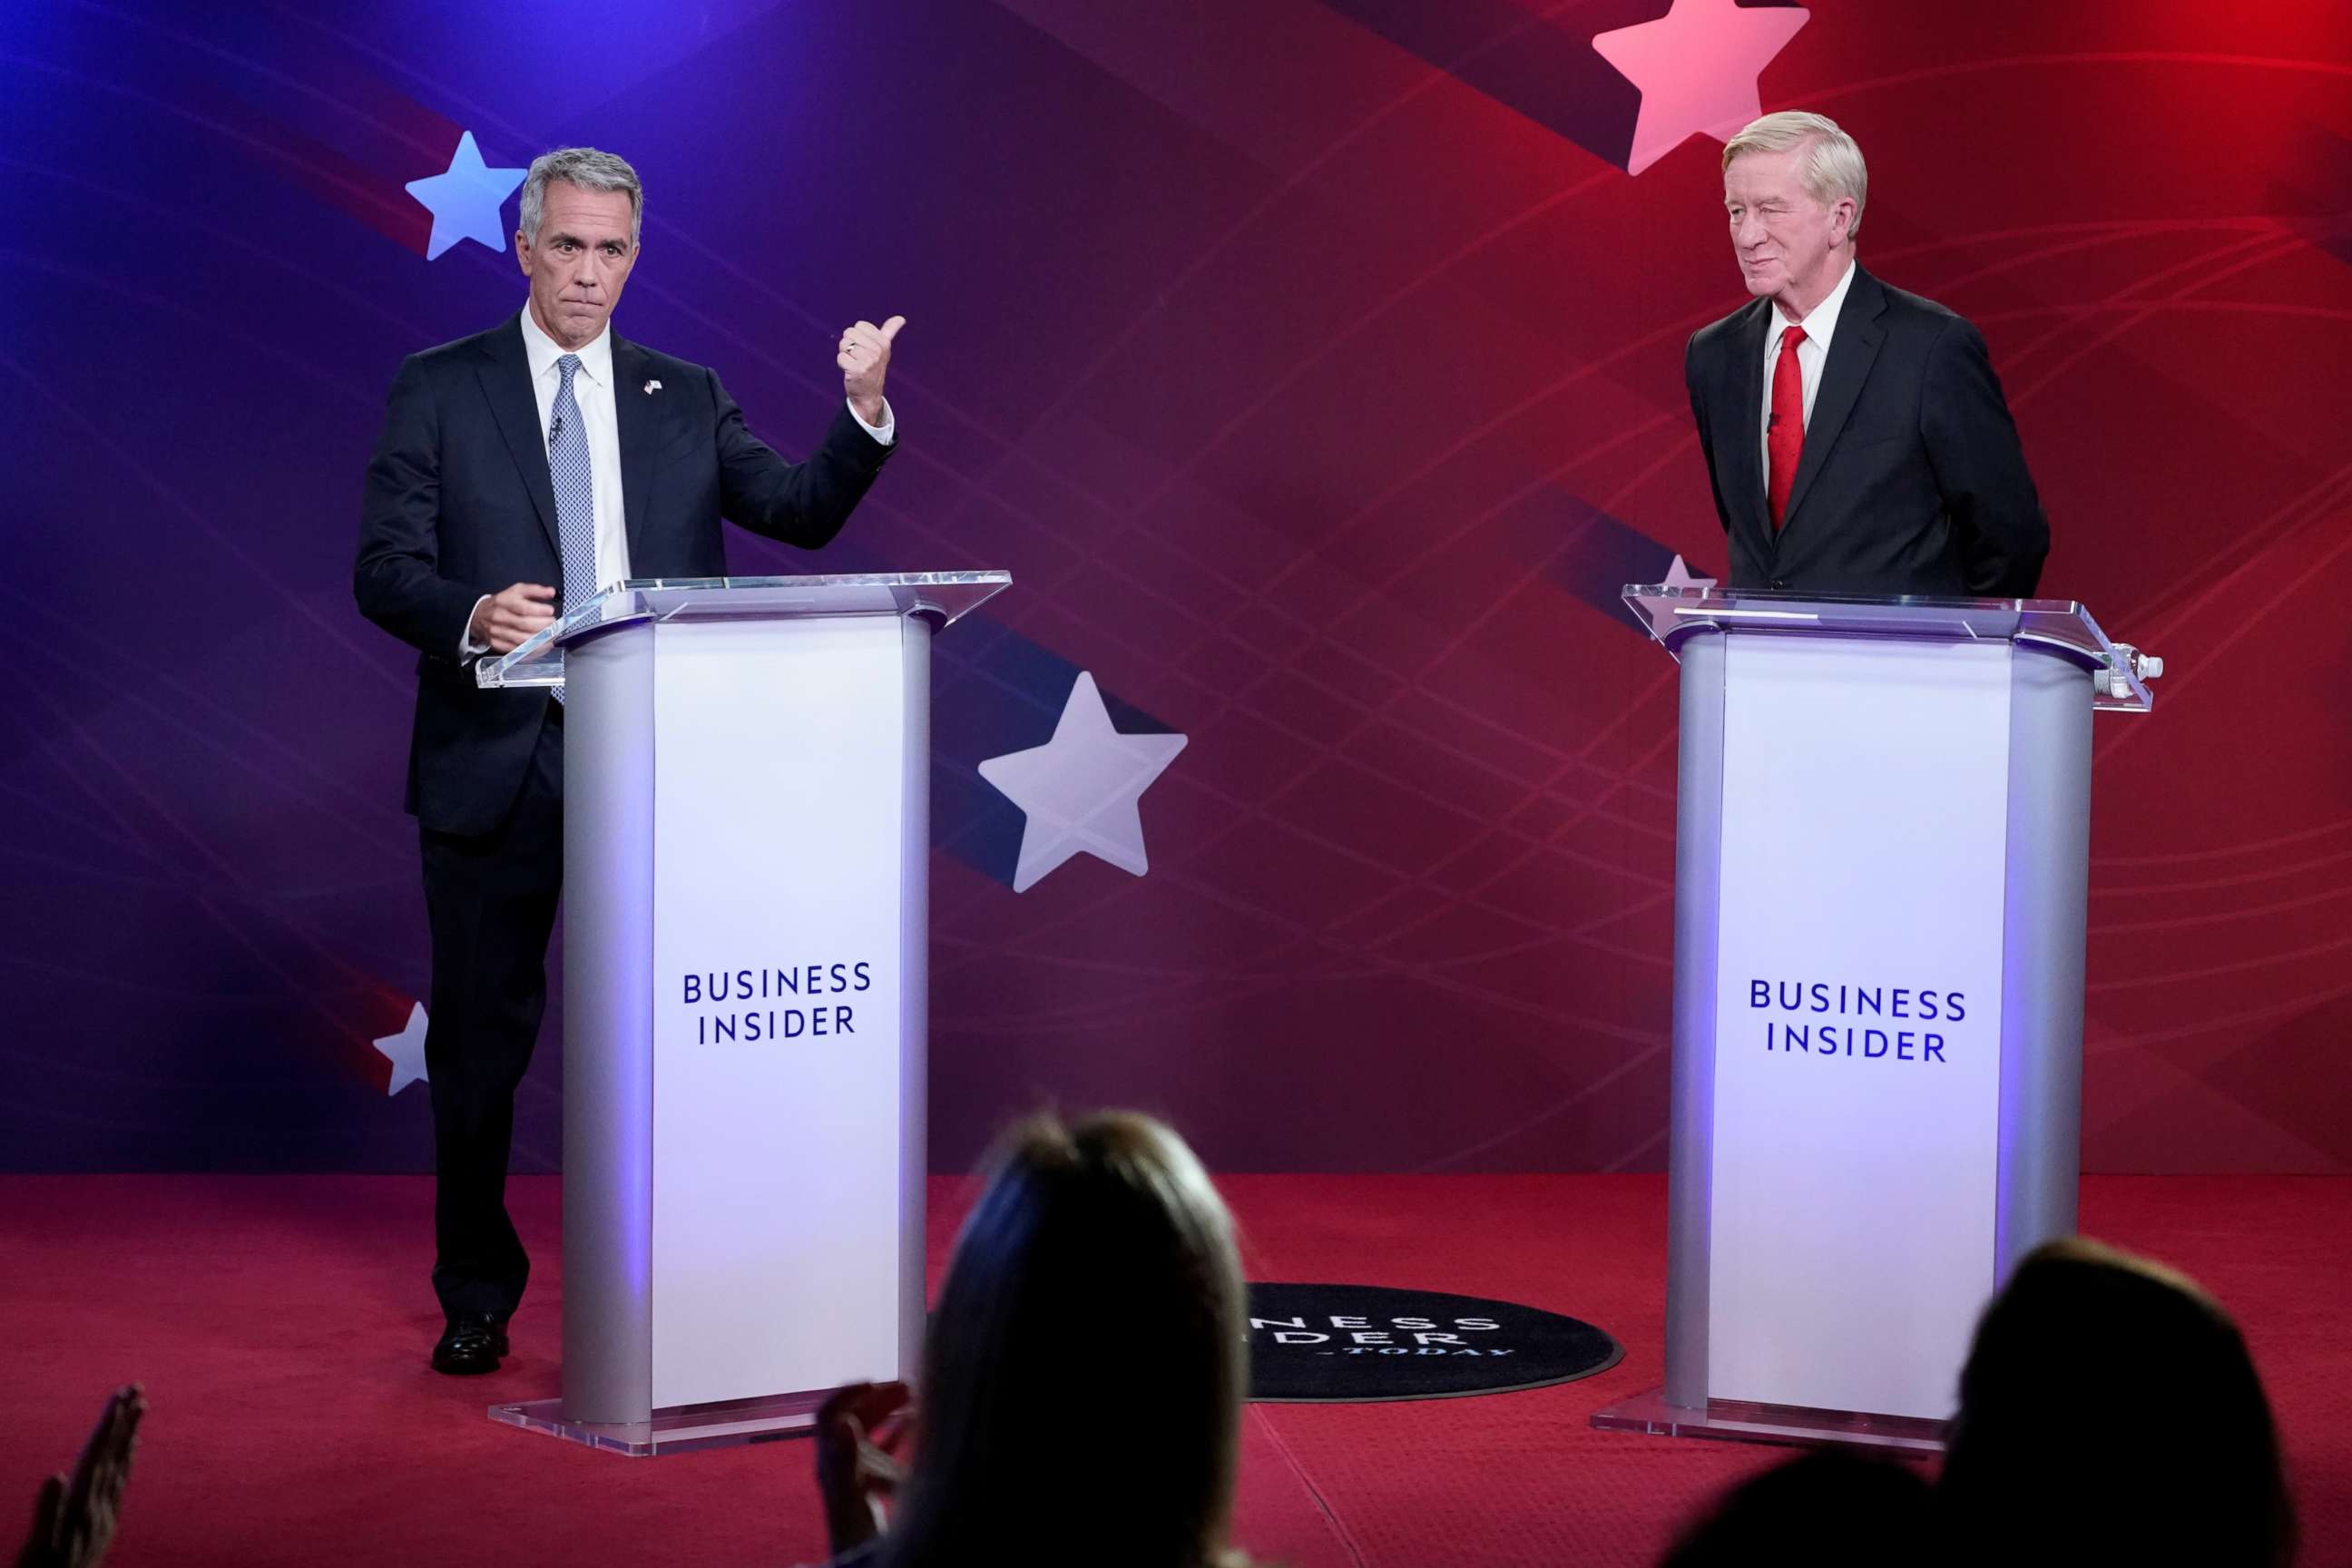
x=1696 y=68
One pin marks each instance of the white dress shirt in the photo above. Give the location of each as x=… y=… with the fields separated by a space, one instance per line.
x=592 y=389
x=1811 y=355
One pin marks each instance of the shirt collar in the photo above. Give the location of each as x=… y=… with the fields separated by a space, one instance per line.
x=1822 y=325
x=595 y=358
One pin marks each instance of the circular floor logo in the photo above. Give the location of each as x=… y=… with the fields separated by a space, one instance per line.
x=1369 y=1341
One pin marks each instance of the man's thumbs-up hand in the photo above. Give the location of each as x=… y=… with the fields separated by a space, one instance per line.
x=864 y=360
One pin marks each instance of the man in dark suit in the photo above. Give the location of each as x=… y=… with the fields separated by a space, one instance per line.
x=1856 y=435
x=522 y=470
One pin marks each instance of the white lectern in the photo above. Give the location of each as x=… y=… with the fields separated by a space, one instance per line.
x=1882 y=857
x=746 y=844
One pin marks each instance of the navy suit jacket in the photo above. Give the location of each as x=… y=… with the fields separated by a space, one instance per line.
x=458 y=504
x=1911 y=481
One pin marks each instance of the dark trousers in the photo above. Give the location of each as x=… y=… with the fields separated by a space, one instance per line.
x=490 y=899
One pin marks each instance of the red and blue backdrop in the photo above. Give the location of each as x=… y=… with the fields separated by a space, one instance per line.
x=1315 y=367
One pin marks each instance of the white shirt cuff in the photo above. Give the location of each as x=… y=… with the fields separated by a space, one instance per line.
x=886 y=431
x=466 y=647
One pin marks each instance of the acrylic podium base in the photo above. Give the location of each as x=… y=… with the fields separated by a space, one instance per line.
x=688 y=1427
x=1736 y=1422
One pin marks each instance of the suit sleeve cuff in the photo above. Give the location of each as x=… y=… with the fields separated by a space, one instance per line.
x=885 y=433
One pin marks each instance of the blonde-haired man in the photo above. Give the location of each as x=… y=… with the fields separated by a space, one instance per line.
x=1856 y=435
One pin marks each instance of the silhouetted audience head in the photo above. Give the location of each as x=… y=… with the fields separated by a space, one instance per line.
x=1085 y=1366
x=1829 y=1507
x=2109 y=1413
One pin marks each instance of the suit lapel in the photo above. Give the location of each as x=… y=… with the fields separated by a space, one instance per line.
x=505 y=375
x=1746 y=469
x=636 y=413
x=1853 y=350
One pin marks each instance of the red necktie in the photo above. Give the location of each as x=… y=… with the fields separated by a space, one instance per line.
x=1784 y=437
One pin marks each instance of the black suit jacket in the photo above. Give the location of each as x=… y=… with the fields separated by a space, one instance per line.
x=458 y=504
x=1911 y=481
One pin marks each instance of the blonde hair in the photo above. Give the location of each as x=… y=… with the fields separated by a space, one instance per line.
x=1086 y=1362
x=1834 y=169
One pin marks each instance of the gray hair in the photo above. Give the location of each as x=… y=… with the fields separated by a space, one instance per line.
x=591 y=171
x=1835 y=168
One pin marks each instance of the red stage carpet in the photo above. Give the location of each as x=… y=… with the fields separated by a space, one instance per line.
x=280 y=1326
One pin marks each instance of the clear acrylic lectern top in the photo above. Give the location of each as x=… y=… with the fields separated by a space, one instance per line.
x=2121 y=672
x=945 y=596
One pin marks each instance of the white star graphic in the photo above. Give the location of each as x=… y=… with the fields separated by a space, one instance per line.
x=1679 y=576
x=1078 y=790
x=1662 y=618
x=406 y=1051
x=466 y=199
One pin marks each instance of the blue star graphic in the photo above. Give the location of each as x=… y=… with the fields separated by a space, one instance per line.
x=465 y=201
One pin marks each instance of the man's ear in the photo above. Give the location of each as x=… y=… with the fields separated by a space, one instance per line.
x=522 y=253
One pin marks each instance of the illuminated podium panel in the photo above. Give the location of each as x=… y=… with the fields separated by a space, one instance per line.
x=1881 y=867
x=746 y=851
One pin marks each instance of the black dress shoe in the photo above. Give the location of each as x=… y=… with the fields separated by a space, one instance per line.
x=471 y=1344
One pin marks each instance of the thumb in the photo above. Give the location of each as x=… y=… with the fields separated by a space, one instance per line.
x=890 y=327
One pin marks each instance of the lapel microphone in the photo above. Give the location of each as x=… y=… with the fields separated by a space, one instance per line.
x=555 y=431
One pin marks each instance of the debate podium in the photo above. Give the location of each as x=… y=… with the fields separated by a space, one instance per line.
x=746 y=848
x=1881 y=867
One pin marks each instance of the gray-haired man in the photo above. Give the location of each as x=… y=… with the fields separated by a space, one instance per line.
x=520 y=471
x=1856 y=435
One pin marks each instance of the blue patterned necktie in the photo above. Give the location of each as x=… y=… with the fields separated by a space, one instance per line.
x=575 y=494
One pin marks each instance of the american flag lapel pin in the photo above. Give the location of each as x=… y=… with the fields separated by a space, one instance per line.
x=652 y=388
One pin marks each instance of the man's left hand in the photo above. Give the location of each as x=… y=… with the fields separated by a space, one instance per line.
x=865 y=359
